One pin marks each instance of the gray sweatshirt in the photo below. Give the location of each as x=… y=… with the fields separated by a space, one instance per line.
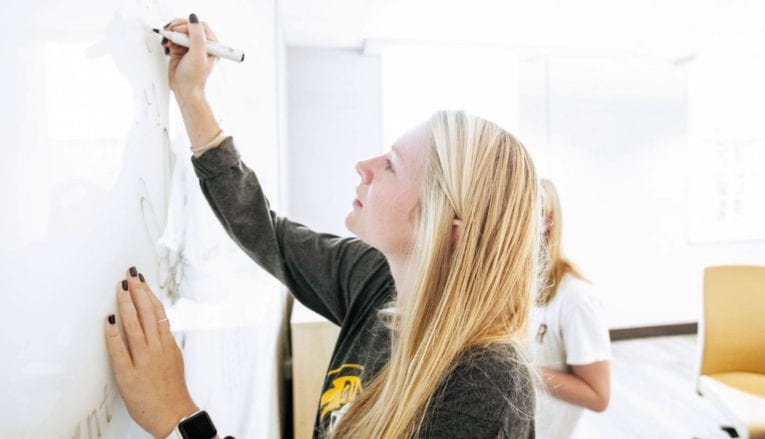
x=489 y=394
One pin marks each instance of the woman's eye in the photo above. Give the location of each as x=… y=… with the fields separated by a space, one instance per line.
x=388 y=165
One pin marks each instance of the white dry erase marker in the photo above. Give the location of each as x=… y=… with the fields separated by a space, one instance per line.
x=213 y=48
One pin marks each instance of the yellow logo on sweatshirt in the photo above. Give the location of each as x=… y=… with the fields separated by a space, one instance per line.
x=344 y=388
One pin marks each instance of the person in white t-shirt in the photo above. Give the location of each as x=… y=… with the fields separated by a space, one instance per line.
x=568 y=339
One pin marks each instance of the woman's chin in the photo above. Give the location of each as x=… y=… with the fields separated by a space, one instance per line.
x=349 y=222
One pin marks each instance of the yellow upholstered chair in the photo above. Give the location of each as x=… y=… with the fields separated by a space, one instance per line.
x=732 y=374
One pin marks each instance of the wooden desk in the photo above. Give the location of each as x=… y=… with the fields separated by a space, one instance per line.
x=313 y=339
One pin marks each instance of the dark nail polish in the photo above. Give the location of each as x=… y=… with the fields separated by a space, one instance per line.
x=167 y=25
x=133 y=271
x=164 y=40
x=111 y=319
x=167 y=51
x=193 y=18
x=124 y=285
x=140 y=276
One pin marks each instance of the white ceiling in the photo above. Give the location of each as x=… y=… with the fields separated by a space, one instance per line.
x=668 y=29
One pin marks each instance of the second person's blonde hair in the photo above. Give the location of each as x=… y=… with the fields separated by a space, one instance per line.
x=556 y=265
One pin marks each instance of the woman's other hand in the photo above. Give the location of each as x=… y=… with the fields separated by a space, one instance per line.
x=147 y=363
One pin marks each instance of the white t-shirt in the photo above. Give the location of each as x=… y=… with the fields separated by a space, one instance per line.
x=576 y=335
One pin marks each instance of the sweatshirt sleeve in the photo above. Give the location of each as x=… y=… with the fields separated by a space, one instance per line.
x=325 y=272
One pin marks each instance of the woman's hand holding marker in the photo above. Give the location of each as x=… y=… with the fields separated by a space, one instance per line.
x=188 y=71
x=189 y=67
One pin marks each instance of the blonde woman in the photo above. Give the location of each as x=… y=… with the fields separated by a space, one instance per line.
x=568 y=339
x=430 y=297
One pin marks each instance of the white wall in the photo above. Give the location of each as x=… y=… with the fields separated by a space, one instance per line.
x=334 y=113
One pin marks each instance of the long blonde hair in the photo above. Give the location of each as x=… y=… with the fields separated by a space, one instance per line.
x=472 y=293
x=556 y=266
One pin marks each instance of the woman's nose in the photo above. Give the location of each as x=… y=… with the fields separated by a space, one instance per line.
x=364 y=171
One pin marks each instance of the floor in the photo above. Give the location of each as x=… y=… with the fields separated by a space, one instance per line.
x=653 y=394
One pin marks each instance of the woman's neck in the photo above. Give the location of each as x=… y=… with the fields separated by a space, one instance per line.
x=401 y=270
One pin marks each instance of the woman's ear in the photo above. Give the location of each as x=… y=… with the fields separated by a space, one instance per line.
x=456 y=231
x=547 y=222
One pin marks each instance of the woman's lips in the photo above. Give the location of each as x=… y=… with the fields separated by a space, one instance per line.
x=357 y=203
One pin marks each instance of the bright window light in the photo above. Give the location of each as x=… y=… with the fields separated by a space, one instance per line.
x=726 y=100
x=87 y=98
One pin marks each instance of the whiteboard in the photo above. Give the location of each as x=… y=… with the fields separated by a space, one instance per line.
x=85 y=172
